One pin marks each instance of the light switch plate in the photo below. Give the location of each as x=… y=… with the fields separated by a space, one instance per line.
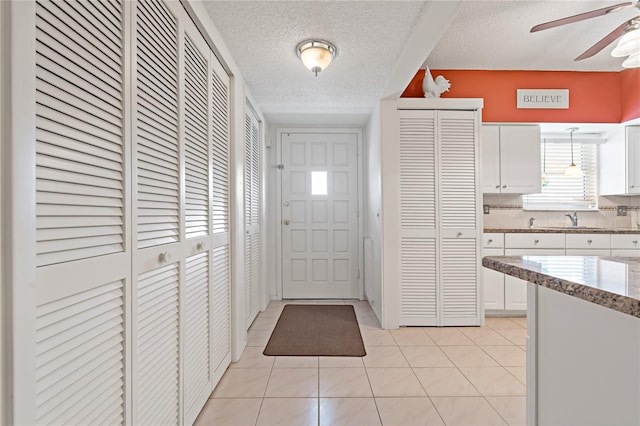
x=485 y=208
x=621 y=210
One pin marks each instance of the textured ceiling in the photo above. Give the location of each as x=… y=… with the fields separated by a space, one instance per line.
x=495 y=35
x=370 y=36
x=262 y=36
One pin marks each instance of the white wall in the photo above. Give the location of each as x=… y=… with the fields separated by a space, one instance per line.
x=372 y=208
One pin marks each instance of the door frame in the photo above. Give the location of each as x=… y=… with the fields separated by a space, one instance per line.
x=278 y=182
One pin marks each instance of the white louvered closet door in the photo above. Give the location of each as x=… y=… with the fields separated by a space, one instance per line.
x=418 y=218
x=196 y=313
x=459 y=217
x=252 y=172
x=83 y=250
x=158 y=213
x=220 y=226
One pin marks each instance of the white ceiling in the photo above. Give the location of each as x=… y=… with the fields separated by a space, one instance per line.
x=495 y=35
x=371 y=36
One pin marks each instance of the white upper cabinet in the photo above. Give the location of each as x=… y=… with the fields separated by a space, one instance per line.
x=510 y=159
x=620 y=163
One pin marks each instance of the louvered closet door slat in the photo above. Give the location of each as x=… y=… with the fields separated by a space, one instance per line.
x=60 y=88
x=157 y=124
x=79 y=151
x=458 y=170
x=220 y=125
x=196 y=143
x=80 y=358
x=255 y=174
x=79 y=13
x=220 y=308
x=417 y=171
x=419 y=281
x=78 y=65
x=255 y=273
x=53 y=15
x=157 y=350
x=196 y=318
x=459 y=278
x=248 y=176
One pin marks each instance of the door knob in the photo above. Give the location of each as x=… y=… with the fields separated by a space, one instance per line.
x=286 y=204
x=164 y=257
x=286 y=221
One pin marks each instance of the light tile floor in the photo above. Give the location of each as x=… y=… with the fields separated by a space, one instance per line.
x=410 y=376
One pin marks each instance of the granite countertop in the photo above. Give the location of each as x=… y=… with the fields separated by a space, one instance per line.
x=612 y=282
x=567 y=230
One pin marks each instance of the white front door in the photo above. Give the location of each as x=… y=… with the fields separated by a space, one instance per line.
x=320 y=215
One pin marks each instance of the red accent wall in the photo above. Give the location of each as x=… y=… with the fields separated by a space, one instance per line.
x=630 y=99
x=594 y=97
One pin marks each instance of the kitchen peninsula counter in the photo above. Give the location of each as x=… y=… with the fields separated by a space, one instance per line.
x=612 y=282
x=583 y=337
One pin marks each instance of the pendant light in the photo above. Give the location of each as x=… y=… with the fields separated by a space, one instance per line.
x=543 y=179
x=573 y=170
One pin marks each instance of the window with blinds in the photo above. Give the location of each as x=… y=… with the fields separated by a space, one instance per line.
x=560 y=192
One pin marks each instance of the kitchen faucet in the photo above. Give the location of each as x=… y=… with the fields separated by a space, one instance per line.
x=574 y=218
x=531 y=219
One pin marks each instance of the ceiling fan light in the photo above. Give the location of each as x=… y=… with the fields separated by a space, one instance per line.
x=633 y=61
x=629 y=44
x=316 y=55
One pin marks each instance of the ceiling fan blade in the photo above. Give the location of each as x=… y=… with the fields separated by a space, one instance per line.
x=607 y=40
x=580 y=17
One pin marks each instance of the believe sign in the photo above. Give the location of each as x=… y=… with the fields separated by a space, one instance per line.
x=543 y=98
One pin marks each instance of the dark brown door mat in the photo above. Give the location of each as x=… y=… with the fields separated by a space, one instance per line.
x=316 y=330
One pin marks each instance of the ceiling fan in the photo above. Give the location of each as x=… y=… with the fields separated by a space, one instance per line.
x=629 y=44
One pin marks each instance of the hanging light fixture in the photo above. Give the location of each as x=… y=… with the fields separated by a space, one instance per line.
x=573 y=170
x=629 y=45
x=543 y=179
x=316 y=54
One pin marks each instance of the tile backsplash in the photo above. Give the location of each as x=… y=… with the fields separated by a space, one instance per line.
x=506 y=212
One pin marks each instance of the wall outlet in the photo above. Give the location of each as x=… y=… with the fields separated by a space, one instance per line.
x=485 y=208
x=621 y=210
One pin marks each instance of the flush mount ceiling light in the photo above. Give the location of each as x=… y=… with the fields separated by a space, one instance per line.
x=573 y=170
x=629 y=45
x=316 y=54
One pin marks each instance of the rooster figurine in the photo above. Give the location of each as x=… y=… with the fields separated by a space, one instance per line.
x=433 y=89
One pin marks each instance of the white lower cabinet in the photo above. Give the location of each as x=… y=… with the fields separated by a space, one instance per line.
x=626 y=245
x=515 y=294
x=493 y=283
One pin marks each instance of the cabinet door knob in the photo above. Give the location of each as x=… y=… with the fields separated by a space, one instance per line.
x=199 y=246
x=504 y=186
x=497 y=186
x=164 y=257
x=459 y=234
x=635 y=241
x=489 y=241
x=632 y=186
x=589 y=241
x=536 y=241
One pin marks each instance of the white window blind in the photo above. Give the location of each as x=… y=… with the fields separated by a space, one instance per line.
x=560 y=192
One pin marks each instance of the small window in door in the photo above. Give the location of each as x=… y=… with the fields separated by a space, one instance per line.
x=318 y=183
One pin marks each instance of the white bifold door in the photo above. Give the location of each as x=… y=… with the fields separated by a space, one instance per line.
x=320 y=215
x=133 y=303
x=252 y=213
x=439 y=218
